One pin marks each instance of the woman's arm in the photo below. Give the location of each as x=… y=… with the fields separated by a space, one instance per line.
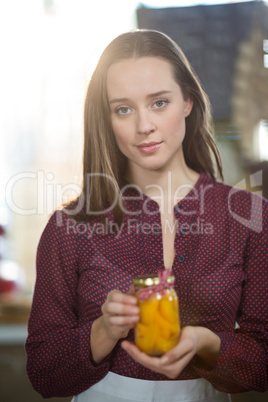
x=208 y=346
x=71 y=336
x=58 y=344
x=243 y=358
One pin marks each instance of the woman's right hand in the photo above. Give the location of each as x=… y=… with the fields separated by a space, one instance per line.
x=120 y=314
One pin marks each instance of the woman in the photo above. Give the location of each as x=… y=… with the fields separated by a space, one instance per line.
x=150 y=202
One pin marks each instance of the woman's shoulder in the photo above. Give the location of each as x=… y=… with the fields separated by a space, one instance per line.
x=57 y=228
x=246 y=207
x=237 y=192
x=62 y=223
x=65 y=237
x=71 y=223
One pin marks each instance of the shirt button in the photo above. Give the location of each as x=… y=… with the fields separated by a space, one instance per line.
x=181 y=258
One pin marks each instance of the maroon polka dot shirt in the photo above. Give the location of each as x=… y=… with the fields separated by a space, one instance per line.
x=221 y=275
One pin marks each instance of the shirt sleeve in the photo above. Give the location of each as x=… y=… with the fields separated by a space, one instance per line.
x=58 y=345
x=243 y=357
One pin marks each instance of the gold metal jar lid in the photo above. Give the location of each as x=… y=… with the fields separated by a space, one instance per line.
x=150 y=280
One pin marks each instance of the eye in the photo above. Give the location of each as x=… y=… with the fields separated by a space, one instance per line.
x=161 y=103
x=122 y=110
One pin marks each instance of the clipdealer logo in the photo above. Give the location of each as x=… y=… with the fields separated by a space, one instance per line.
x=46 y=196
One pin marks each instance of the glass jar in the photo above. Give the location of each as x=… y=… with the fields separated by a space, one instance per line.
x=159 y=327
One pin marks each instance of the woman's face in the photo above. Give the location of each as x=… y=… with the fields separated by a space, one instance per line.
x=148 y=113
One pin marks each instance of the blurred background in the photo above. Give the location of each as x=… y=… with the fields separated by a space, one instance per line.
x=48 y=51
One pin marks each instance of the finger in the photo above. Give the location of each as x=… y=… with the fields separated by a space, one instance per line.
x=131 y=290
x=114 y=308
x=139 y=356
x=154 y=363
x=120 y=320
x=119 y=297
x=174 y=369
x=178 y=352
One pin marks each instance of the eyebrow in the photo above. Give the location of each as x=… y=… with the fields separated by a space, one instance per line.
x=149 y=96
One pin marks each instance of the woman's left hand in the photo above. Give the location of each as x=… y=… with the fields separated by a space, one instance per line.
x=193 y=340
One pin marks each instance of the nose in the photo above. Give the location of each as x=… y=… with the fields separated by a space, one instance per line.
x=145 y=124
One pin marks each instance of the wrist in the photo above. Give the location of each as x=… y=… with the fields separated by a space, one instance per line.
x=100 y=342
x=208 y=346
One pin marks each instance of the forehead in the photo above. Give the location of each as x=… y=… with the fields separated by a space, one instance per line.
x=136 y=75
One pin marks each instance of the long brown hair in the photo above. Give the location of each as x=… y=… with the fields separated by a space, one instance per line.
x=104 y=165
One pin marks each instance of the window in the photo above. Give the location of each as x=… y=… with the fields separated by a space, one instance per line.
x=263 y=140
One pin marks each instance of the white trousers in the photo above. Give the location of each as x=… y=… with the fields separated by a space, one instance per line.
x=117 y=388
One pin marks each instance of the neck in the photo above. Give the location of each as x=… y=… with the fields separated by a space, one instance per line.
x=168 y=186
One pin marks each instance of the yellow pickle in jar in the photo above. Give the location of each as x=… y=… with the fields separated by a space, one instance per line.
x=158 y=330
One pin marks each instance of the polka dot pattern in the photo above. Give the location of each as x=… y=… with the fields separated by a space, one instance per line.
x=220 y=268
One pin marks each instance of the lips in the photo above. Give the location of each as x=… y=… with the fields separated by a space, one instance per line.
x=149 y=147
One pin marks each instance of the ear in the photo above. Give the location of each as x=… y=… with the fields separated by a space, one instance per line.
x=188 y=105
